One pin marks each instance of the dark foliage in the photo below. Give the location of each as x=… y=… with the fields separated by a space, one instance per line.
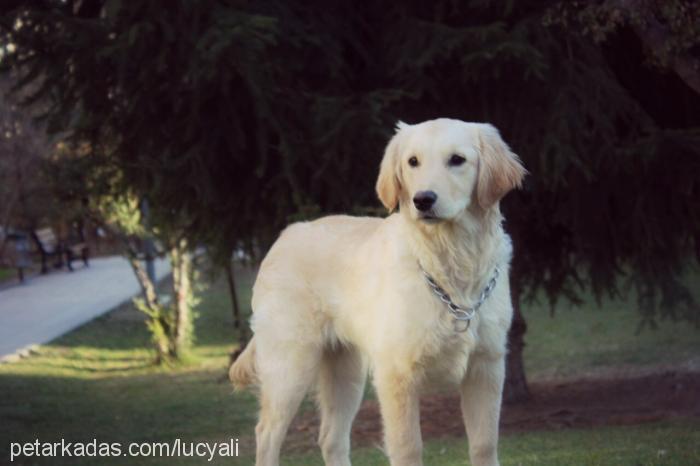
x=236 y=117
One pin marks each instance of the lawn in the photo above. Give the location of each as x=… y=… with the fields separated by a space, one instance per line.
x=7 y=274
x=597 y=338
x=667 y=444
x=98 y=383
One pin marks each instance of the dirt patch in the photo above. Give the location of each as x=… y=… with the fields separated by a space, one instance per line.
x=555 y=405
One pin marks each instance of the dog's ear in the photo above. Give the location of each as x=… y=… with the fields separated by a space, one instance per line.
x=389 y=181
x=500 y=170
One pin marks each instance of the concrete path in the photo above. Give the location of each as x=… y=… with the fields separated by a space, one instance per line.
x=47 y=306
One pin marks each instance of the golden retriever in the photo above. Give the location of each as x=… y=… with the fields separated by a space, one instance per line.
x=342 y=296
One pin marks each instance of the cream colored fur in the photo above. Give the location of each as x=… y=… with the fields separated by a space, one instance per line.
x=341 y=296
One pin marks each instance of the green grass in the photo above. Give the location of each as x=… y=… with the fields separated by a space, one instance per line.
x=7 y=274
x=663 y=444
x=595 y=338
x=98 y=382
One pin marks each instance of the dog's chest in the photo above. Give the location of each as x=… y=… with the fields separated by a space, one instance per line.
x=447 y=357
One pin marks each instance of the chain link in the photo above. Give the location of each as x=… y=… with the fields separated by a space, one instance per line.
x=462 y=315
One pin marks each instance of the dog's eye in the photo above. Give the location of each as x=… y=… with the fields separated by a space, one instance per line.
x=413 y=161
x=456 y=160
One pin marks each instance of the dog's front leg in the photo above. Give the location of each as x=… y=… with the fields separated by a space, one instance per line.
x=481 y=407
x=399 y=403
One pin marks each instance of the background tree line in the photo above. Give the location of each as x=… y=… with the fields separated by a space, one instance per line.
x=233 y=118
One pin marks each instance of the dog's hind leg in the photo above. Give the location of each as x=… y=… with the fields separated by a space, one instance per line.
x=288 y=370
x=341 y=384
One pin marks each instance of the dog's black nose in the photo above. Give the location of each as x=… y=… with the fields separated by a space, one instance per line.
x=424 y=200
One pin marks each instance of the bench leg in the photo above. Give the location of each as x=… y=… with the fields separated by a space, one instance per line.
x=69 y=260
x=59 y=260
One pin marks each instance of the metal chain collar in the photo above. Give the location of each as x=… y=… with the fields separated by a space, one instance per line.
x=462 y=315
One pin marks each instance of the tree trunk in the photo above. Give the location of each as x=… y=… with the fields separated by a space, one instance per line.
x=234 y=296
x=157 y=322
x=243 y=334
x=182 y=293
x=516 y=389
x=148 y=287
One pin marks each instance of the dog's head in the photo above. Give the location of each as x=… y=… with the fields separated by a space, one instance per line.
x=436 y=169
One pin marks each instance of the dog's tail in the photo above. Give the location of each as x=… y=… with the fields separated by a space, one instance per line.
x=242 y=372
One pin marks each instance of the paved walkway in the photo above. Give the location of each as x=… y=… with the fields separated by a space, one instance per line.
x=47 y=306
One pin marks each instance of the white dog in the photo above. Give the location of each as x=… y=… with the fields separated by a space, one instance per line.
x=339 y=296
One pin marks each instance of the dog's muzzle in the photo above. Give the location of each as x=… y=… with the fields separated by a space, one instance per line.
x=424 y=200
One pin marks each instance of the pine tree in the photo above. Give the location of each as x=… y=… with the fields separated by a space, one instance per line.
x=236 y=118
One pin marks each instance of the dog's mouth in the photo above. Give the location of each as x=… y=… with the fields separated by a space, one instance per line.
x=428 y=217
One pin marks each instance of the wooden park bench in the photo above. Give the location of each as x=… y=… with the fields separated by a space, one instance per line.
x=16 y=253
x=49 y=246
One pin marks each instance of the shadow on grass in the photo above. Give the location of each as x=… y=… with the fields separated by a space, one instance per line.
x=148 y=407
x=96 y=369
